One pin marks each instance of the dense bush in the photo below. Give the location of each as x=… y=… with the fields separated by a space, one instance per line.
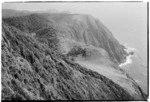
x=29 y=23
x=77 y=50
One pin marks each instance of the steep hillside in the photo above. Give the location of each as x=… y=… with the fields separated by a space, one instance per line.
x=31 y=70
x=82 y=28
x=88 y=30
x=30 y=23
x=13 y=13
x=63 y=56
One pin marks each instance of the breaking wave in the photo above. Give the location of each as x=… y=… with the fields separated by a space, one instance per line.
x=128 y=58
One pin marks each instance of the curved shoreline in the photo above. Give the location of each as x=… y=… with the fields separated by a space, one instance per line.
x=129 y=50
x=128 y=61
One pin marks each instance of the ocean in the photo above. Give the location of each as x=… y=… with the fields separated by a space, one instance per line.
x=136 y=65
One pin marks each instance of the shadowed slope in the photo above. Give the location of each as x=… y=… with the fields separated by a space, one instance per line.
x=34 y=68
x=31 y=70
x=81 y=28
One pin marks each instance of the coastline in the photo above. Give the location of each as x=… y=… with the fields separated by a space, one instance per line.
x=130 y=51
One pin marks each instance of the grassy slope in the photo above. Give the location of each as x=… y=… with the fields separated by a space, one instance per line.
x=32 y=70
x=33 y=65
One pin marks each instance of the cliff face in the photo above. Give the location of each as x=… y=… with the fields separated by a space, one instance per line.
x=88 y=30
x=36 y=64
x=81 y=28
x=30 y=70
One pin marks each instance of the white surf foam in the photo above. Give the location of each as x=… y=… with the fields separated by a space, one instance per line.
x=128 y=61
x=128 y=58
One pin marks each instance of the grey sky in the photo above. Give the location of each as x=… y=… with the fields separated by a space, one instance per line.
x=122 y=18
